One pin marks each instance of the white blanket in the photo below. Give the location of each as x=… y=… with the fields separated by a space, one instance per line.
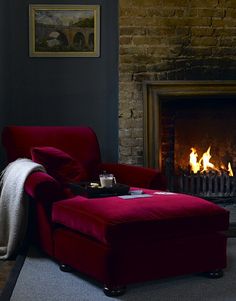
x=13 y=207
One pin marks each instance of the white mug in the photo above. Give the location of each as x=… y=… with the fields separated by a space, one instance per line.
x=107 y=180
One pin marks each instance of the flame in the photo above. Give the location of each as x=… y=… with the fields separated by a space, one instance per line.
x=204 y=163
x=195 y=166
x=206 y=160
x=231 y=174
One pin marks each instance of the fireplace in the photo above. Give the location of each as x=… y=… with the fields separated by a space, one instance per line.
x=184 y=115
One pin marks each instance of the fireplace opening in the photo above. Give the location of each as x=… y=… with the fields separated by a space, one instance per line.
x=193 y=136
x=202 y=144
x=200 y=123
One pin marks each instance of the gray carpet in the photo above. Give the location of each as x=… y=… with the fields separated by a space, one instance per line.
x=232 y=209
x=232 y=218
x=41 y=280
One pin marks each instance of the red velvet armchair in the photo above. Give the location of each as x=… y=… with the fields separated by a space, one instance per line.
x=115 y=241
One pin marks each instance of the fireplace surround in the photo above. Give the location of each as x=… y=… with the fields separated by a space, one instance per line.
x=160 y=146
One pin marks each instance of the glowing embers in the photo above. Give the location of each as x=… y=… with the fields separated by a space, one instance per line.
x=204 y=164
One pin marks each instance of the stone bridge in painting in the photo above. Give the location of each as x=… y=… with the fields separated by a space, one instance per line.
x=84 y=36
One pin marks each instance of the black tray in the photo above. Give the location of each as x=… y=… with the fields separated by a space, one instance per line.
x=86 y=190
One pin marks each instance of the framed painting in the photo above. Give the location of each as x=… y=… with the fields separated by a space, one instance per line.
x=64 y=30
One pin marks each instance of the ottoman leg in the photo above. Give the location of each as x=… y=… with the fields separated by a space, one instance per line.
x=218 y=273
x=65 y=268
x=113 y=291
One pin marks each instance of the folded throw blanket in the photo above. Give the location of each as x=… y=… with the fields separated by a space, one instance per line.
x=13 y=208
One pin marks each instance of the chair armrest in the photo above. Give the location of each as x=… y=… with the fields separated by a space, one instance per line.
x=136 y=176
x=43 y=187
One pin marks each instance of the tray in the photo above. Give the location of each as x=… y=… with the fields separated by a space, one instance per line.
x=86 y=190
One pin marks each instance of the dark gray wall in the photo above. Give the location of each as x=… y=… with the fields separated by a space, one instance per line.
x=61 y=91
x=3 y=59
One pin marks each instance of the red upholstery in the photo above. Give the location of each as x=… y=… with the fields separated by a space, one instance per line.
x=129 y=262
x=113 y=240
x=114 y=220
x=41 y=186
x=136 y=176
x=79 y=142
x=44 y=190
x=59 y=164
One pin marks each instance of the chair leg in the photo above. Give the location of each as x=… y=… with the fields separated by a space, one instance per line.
x=65 y=268
x=218 y=273
x=114 y=291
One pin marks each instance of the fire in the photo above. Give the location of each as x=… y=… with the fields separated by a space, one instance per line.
x=231 y=174
x=204 y=163
x=195 y=166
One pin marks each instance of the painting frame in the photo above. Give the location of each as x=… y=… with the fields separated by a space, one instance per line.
x=66 y=30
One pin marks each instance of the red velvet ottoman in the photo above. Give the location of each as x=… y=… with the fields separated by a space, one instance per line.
x=120 y=241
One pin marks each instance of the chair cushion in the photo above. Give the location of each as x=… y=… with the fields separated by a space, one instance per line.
x=59 y=164
x=114 y=220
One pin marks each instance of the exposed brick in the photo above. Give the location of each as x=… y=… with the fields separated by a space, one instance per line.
x=228 y=42
x=127 y=59
x=153 y=11
x=125 y=123
x=132 y=12
x=139 y=142
x=142 y=40
x=127 y=159
x=169 y=40
x=175 y=3
x=226 y=22
x=133 y=50
x=158 y=51
x=138 y=133
x=138 y=114
x=197 y=51
x=182 y=31
x=204 y=3
x=203 y=41
x=132 y=30
x=167 y=12
x=199 y=21
x=202 y=31
x=225 y=32
x=137 y=151
x=126 y=151
x=147 y=2
x=188 y=21
x=126 y=142
x=231 y=12
x=231 y=3
x=159 y=31
x=224 y=51
x=125 y=133
x=125 y=40
x=207 y=12
x=126 y=3
x=191 y=12
x=126 y=77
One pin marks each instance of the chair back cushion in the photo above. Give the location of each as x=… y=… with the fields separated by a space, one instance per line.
x=79 y=142
x=60 y=165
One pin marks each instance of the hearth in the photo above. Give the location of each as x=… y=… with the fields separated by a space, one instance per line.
x=192 y=119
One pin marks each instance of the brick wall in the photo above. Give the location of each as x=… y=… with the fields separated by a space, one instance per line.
x=169 y=40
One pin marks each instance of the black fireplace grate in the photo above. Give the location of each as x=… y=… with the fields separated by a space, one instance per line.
x=207 y=184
